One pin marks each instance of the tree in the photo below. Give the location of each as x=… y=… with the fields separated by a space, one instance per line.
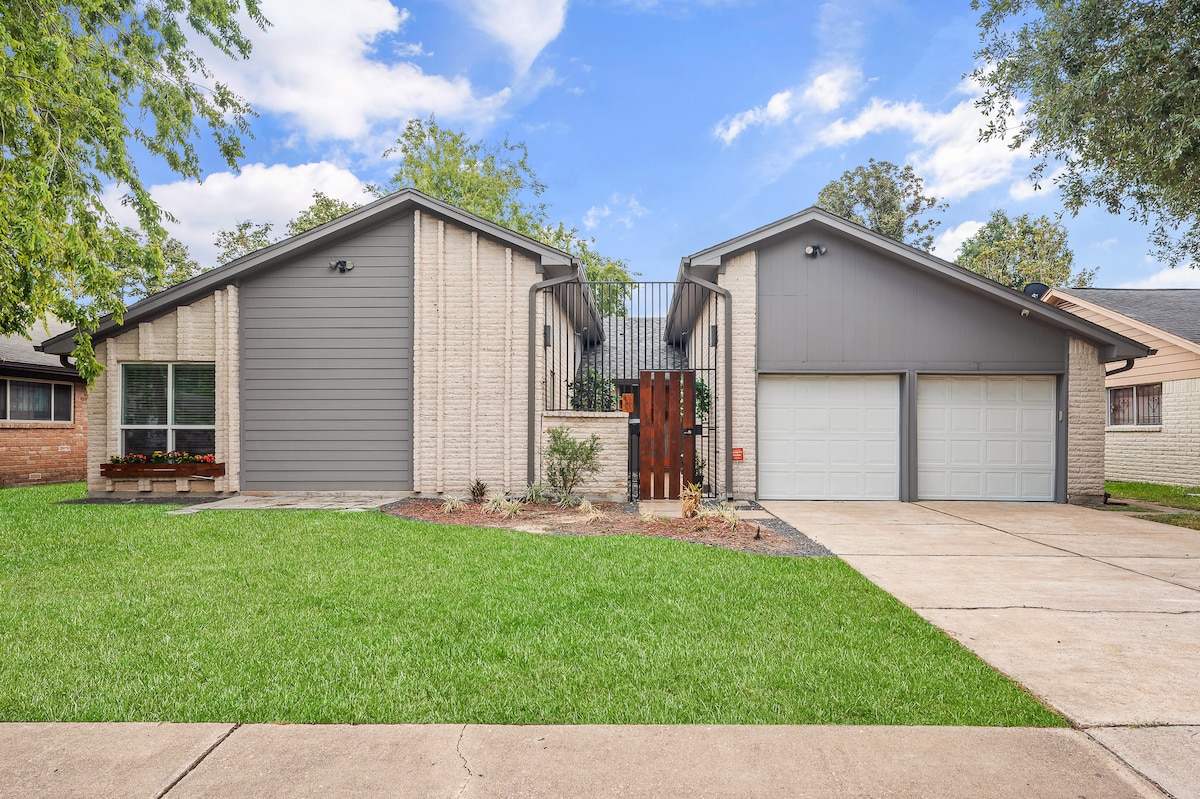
x=323 y=209
x=242 y=239
x=497 y=183
x=1110 y=92
x=80 y=85
x=885 y=198
x=178 y=266
x=245 y=237
x=1020 y=251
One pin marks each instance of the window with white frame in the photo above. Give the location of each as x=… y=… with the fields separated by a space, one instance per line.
x=168 y=407
x=36 y=401
x=1135 y=405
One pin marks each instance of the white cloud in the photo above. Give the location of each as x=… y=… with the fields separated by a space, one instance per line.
x=318 y=65
x=826 y=92
x=1023 y=189
x=949 y=154
x=1182 y=277
x=947 y=243
x=260 y=193
x=627 y=210
x=524 y=27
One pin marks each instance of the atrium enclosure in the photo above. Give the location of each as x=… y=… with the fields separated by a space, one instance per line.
x=409 y=346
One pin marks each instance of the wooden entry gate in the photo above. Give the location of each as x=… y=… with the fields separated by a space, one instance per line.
x=666 y=438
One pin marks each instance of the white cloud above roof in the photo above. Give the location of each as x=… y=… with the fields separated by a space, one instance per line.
x=337 y=71
x=259 y=193
x=524 y=27
x=826 y=92
x=1182 y=277
x=948 y=242
x=948 y=152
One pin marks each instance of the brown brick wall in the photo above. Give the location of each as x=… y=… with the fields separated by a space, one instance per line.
x=45 y=452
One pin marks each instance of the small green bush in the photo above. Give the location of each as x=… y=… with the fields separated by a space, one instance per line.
x=569 y=461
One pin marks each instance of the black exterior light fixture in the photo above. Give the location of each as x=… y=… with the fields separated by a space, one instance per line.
x=342 y=266
x=814 y=250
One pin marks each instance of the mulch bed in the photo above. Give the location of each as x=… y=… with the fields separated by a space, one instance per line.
x=758 y=536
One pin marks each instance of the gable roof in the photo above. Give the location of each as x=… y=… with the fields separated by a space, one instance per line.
x=1174 y=311
x=547 y=258
x=710 y=262
x=17 y=354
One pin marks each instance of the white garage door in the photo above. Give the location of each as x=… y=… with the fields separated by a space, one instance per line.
x=829 y=437
x=985 y=438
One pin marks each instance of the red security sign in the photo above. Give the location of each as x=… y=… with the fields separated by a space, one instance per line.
x=737 y=454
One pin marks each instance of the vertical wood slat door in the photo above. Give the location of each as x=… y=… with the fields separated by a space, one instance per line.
x=666 y=457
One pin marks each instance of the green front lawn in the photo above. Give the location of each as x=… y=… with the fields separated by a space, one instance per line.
x=123 y=613
x=1171 y=496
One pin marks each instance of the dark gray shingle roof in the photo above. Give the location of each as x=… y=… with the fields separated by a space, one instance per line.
x=631 y=344
x=18 y=351
x=1175 y=311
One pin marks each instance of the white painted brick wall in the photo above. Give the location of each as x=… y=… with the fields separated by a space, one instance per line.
x=1169 y=454
x=741 y=278
x=1087 y=405
x=204 y=332
x=612 y=482
x=470 y=363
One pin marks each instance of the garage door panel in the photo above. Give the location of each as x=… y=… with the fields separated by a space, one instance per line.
x=1003 y=453
x=1003 y=420
x=841 y=439
x=999 y=444
x=1037 y=421
x=1037 y=454
x=966 y=453
x=966 y=420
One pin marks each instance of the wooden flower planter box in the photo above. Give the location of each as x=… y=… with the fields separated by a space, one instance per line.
x=168 y=470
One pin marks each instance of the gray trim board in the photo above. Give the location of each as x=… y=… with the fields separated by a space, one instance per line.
x=1062 y=439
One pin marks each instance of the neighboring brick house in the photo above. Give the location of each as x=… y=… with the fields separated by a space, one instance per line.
x=43 y=414
x=1153 y=407
x=410 y=346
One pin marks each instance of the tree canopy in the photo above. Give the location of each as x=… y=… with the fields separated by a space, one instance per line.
x=80 y=85
x=885 y=198
x=496 y=182
x=247 y=236
x=178 y=266
x=1110 y=92
x=1023 y=250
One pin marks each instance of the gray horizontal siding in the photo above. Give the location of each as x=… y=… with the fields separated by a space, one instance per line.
x=854 y=309
x=326 y=364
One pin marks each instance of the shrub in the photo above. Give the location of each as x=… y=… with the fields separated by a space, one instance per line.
x=478 y=490
x=452 y=504
x=592 y=392
x=568 y=461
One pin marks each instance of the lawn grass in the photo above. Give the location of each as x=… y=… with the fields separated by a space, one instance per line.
x=126 y=613
x=1171 y=496
x=1189 y=520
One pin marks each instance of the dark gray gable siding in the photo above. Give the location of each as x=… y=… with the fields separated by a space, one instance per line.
x=327 y=367
x=855 y=309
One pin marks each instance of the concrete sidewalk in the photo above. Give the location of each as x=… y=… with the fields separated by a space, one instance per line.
x=184 y=761
x=1095 y=612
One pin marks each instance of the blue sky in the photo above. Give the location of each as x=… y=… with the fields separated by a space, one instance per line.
x=660 y=128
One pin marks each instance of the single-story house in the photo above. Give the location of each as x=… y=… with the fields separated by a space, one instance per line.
x=1153 y=425
x=43 y=414
x=411 y=346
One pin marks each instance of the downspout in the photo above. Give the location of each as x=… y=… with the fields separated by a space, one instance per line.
x=724 y=292
x=531 y=421
x=1128 y=365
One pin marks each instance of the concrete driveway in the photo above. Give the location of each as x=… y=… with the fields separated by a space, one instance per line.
x=1096 y=613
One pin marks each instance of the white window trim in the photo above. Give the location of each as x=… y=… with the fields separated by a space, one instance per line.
x=1137 y=425
x=170 y=428
x=9 y=380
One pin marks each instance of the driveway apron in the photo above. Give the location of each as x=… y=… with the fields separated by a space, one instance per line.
x=1096 y=613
